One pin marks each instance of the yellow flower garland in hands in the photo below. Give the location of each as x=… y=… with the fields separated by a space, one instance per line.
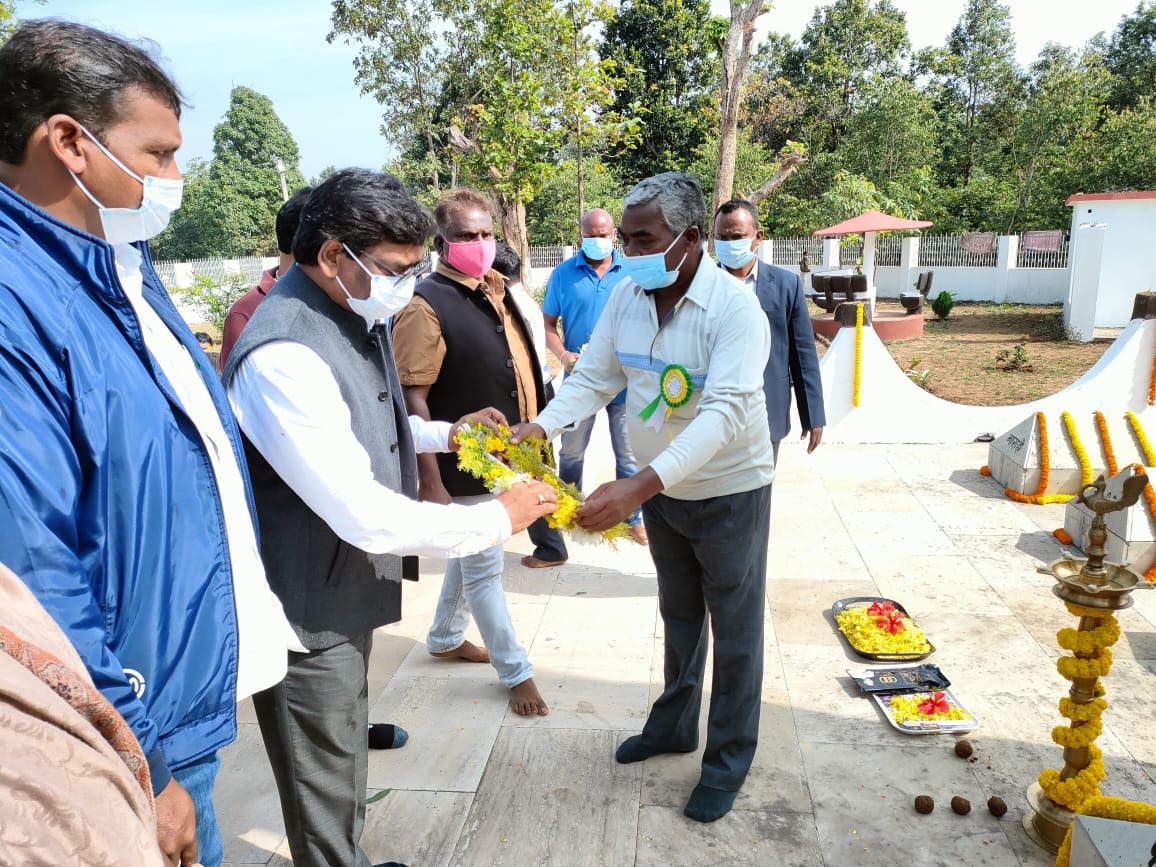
x=478 y=450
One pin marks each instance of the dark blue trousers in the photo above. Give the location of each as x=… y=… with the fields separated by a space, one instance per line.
x=711 y=559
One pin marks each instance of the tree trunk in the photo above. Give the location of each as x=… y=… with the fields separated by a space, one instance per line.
x=735 y=52
x=512 y=222
x=787 y=167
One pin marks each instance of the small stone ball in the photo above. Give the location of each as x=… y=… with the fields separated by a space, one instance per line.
x=963 y=748
x=996 y=805
x=924 y=804
x=961 y=805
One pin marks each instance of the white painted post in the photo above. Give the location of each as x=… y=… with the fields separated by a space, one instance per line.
x=908 y=263
x=1007 y=248
x=765 y=249
x=567 y=251
x=830 y=253
x=1087 y=254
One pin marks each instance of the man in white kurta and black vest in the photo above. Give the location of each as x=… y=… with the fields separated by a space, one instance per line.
x=464 y=341
x=332 y=454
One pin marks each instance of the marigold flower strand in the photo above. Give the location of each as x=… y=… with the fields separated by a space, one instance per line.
x=858 y=354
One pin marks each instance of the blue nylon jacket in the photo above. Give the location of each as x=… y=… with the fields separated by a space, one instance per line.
x=109 y=508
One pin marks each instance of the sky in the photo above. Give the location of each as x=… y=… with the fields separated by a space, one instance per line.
x=279 y=49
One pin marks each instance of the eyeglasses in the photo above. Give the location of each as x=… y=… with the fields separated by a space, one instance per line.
x=417 y=271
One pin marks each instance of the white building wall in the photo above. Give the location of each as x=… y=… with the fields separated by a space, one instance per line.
x=1129 y=256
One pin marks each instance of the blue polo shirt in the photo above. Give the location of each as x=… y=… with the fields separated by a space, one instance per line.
x=576 y=295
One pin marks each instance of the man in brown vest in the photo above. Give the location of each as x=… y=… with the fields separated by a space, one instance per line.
x=463 y=341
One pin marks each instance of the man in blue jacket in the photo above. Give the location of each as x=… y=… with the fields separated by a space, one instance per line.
x=124 y=499
x=793 y=362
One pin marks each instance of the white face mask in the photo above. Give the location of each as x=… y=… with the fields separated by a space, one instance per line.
x=649 y=271
x=161 y=197
x=387 y=294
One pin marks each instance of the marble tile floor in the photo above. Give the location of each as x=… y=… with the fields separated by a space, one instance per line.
x=832 y=783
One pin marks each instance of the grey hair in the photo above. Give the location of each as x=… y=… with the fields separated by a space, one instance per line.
x=678 y=197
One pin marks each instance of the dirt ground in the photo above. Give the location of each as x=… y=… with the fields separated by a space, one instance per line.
x=960 y=352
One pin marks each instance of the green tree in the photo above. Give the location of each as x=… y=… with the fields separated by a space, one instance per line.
x=8 y=19
x=845 y=47
x=229 y=209
x=1066 y=95
x=552 y=215
x=1131 y=56
x=977 y=82
x=403 y=64
x=891 y=139
x=666 y=52
x=512 y=79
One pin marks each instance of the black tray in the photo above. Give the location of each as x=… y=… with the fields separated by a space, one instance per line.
x=866 y=602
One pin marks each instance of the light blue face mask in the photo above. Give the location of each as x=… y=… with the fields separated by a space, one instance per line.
x=649 y=271
x=734 y=254
x=597 y=249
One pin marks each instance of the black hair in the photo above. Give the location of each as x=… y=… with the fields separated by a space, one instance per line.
x=289 y=218
x=360 y=208
x=738 y=205
x=507 y=262
x=52 y=67
x=204 y=337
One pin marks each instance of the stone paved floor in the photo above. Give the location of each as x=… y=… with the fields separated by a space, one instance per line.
x=832 y=783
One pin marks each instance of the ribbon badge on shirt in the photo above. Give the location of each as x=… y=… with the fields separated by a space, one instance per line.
x=674 y=389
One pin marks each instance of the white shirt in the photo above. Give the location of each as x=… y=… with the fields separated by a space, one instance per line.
x=263 y=632
x=718 y=442
x=289 y=404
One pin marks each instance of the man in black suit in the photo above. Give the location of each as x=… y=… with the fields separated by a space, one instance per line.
x=793 y=360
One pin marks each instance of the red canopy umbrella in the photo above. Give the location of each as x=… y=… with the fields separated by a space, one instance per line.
x=872 y=221
x=867 y=224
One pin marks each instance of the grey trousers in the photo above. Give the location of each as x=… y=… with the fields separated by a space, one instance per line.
x=711 y=559
x=314 y=724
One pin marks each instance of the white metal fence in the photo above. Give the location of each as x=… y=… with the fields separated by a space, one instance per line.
x=788 y=251
x=946 y=251
x=1043 y=258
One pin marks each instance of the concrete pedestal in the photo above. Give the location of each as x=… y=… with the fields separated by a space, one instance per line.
x=1109 y=843
x=1130 y=535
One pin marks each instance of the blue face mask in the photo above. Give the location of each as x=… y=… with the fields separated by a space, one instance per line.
x=649 y=271
x=734 y=254
x=597 y=249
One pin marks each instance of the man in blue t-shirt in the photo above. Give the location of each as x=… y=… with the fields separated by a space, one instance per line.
x=576 y=293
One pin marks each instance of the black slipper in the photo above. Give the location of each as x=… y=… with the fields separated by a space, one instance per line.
x=386 y=736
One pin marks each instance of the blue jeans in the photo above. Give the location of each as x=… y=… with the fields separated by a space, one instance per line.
x=197 y=779
x=474 y=584
x=572 y=452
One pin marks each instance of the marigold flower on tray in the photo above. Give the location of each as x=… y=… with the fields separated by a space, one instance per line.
x=862 y=627
x=923 y=707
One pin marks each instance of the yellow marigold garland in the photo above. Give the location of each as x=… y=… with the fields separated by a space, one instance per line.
x=1089 y=641
x=858 y=354
x=1141 y=439
x=1102 y=807
x=1078 y=448
x=1086 y=724
x=1041 y=497
x=478 y=447
x=1074 y=791
x=1106 y=444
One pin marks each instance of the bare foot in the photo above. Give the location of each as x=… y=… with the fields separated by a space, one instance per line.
x=467 y=650
x=526 y=700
